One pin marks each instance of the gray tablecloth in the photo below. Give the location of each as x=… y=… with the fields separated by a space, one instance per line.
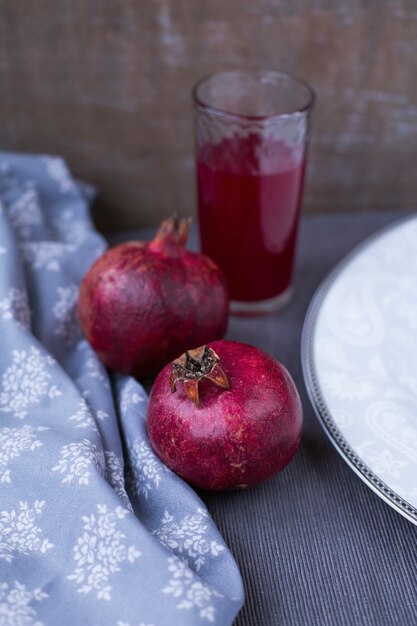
x=315 y=545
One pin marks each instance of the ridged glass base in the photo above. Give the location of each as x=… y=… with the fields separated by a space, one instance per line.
x=263 y=307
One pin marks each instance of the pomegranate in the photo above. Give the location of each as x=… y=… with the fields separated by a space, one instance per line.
x=225 y=416
x=142 y=304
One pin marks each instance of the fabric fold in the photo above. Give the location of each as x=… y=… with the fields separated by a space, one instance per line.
x=94 y=529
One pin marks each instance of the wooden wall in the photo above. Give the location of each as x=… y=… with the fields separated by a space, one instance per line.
x=107 y=85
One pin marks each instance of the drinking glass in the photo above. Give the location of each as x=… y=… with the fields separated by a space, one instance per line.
x=252 y=130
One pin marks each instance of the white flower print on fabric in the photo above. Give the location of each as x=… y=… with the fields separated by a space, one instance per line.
x=190 y=592
x=26 y=382
x=100 y=552
x=24 y=212
x=15 y=604
x=84 y=416
x=144 y=472
x=96 y=369
x=137 y=399
x=20 y=202
x=130 y=398
x=45 y=254
x=15 y=306
x=78 y=460
x=187 y=537
x=64 y=311
x=14 y=441
x=59 y=172
x=114 y=474
x=19 y=533
x=73 y=231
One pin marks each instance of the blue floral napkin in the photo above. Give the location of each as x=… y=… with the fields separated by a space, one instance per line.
x=94 y=529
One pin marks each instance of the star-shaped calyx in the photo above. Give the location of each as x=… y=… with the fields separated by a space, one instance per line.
x=193 y=366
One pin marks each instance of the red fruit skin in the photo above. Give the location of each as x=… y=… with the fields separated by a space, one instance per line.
x=141 y=306
x=238 y=437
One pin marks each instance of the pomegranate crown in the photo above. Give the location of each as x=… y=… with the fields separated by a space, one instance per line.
x=194 y=365
x=172 y=235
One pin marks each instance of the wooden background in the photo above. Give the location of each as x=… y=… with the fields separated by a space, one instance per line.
x=107 y=85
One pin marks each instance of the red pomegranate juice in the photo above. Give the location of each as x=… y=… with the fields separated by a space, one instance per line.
x=249 y=193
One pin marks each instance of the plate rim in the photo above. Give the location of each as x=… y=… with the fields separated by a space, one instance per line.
x=313 y=387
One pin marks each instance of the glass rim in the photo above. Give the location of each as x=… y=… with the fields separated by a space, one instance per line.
x=199 y=103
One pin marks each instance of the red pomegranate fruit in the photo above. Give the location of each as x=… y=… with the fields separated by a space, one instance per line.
x=225 y=416
x=142 y=304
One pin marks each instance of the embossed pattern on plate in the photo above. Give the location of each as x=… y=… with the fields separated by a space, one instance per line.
x=359 y=357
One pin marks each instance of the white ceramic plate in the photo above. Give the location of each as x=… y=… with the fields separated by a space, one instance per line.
x=359 y=356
